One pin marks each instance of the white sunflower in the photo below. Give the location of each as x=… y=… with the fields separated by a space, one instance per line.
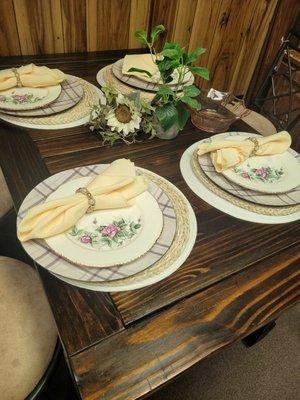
x=125 y=117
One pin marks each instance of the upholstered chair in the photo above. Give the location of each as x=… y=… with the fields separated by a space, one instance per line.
x=5 y=198
x=27 y=331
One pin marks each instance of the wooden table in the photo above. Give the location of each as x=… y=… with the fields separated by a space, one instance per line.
x=239 y=276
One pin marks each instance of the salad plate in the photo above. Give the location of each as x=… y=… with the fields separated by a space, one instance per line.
x=106 y=238
x=25 y=98
x=291 y=197
x=277 y=173
x=71 y=93
x=147 y=83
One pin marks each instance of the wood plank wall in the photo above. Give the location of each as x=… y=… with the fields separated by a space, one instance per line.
x=233 y=31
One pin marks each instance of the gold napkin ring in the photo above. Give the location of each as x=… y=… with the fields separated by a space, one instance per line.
x=91 y=200
x=15 y=71
x=256 y=146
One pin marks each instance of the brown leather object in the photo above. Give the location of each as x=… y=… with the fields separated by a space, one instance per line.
x=27 y=330
x=257 y=121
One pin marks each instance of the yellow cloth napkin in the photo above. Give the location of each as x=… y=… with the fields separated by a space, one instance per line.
x=116 y=187
x=31 y=76
x=229 y=153
x=141 y=61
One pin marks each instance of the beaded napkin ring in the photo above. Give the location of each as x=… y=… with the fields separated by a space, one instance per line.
x=15 y=71
x=256 y=146
x=91 y=200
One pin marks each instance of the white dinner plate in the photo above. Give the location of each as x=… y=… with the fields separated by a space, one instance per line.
x=77 y=122
x=106 y=238
x=221 y=204
x=25 y=98
x=40 y=252
x=276 y=173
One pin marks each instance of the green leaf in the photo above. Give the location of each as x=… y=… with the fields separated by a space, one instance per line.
x=191 y=102
x=183 y=115
x=171 y=53
x=165 y=91
x=156 y=31
x=172 y=50
x=195 y=54
x=200 y=71
x=166 y=64
x=191 y=91
x=167 y=115
x=141 y=36
x=143 y=71
x=73 y=231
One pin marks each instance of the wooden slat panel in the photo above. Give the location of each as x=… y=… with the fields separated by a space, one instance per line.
x=139 y=19
x=164 y=12
x=74 y=25
x=202 y=35
x=284 y=19
x=184 y=20
x=232 y=31
x=234 y=48
x=9 y=39
x=107 y=21
x=255 y=33
x=39 y=26
x=167 y=344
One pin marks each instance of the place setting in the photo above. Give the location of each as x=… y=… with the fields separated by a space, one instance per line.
x=245 y=175
x=127 y=75
x=43 y=98
x=107 y=227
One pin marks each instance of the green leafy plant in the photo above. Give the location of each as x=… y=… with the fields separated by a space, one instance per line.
x=172 y=104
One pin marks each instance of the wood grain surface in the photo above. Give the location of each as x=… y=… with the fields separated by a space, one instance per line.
x=39 y=26
x=9 y=38
x=284 y=19
x=74 y=25
x=238 y=276
x=233 y=31
x=168 y=343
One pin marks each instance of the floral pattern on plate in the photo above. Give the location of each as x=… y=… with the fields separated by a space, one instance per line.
x=26 y=98
x=262 y=174
x=110 y=236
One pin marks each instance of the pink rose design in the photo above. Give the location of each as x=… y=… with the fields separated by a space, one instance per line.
x=20 y=98
x=110 y=230
x=86 y=239
x=261 y=172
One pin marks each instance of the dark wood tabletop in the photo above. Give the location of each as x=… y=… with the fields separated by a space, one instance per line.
x=238 y=277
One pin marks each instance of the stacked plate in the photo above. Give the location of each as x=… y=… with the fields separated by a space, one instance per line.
x=55 y=107
x=127 y=83
x=115 y=250
x=262 y=189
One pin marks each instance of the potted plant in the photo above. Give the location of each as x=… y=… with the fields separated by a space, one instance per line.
x=172 y=103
